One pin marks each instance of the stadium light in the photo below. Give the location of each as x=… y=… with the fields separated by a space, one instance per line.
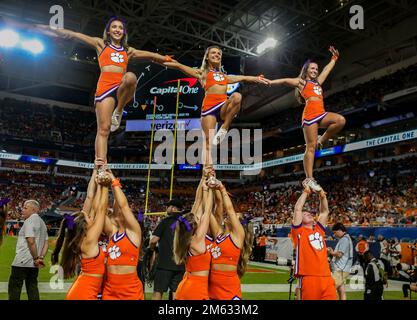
x=34 y=46
x=8 y=38
x=269 y=43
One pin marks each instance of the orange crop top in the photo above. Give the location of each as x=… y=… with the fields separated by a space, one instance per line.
x=113 y=56
x=94 y=265
x=121 y=251
x=200 y=262
x=215 y=77
x=312 y=89
x=224 y=251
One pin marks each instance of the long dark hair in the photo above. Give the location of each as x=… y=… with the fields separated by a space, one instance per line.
x=246 y=250
x=106 y=38
x=182 y=238
x=70 y=239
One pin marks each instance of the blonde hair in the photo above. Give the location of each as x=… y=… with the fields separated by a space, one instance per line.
x=33 y=203
x=107 y=39
x=246 y=250
x=204 y=68
x=182 y=238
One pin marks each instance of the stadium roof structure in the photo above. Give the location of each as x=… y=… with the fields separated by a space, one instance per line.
x=303 y=28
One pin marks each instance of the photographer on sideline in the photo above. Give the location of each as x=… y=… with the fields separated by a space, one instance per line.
x=374 y=277
x=394 y=254
x=342 y=259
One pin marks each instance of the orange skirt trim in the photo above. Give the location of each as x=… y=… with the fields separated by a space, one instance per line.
x=193 y=288
x=313 y=112
x=224 y=285
x=107 y=84
x=212 y=102
x=85 y=288
x=123 y=287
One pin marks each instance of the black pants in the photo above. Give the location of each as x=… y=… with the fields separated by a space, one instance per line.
x=262 y=253
x=257 y=253
x=29 y=276
x=374 y=293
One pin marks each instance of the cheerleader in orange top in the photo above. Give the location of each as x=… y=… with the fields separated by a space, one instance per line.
x=115 y=87
x=78 y=235
x=308 y=90
x=309 y=238
x=190 y=248
x=122 y=281
x=230 y=249
x=216 y=105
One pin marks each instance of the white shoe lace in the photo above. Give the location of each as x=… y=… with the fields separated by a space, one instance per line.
x=116 y=120
x=314 y=185
x=319 y=144
x=218 y=138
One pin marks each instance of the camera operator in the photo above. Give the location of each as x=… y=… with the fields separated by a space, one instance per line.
x=384 y=256
x=374 y=277
x=394 y=254
x=342 y=258
x=410 y=273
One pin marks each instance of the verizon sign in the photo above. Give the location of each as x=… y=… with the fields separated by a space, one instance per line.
x=146 y=125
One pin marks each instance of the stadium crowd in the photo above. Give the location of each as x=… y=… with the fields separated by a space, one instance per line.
x=368 y=194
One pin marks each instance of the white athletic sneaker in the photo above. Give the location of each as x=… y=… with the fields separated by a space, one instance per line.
x=312 y=184
x=116 y=119
x=218 y=138
x=212 y=182
x=319 y=144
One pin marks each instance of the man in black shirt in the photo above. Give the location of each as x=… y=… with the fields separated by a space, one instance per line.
x=168 y=274
x=374 y=277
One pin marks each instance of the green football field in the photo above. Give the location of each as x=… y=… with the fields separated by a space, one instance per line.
x=258 y=278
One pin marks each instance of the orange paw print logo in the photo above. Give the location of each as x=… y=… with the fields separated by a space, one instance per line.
x=117 y=57
x=114 y=252
x=317 y=90
x=316 y=241
x=218 y=76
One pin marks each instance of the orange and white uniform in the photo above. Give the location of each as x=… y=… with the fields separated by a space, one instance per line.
x=212 y=103
x=109 y=81
x=311 y=265
x=224 y=285
x=87 y=287
x=194 y=287
x=122 y=252
x=314 y=109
